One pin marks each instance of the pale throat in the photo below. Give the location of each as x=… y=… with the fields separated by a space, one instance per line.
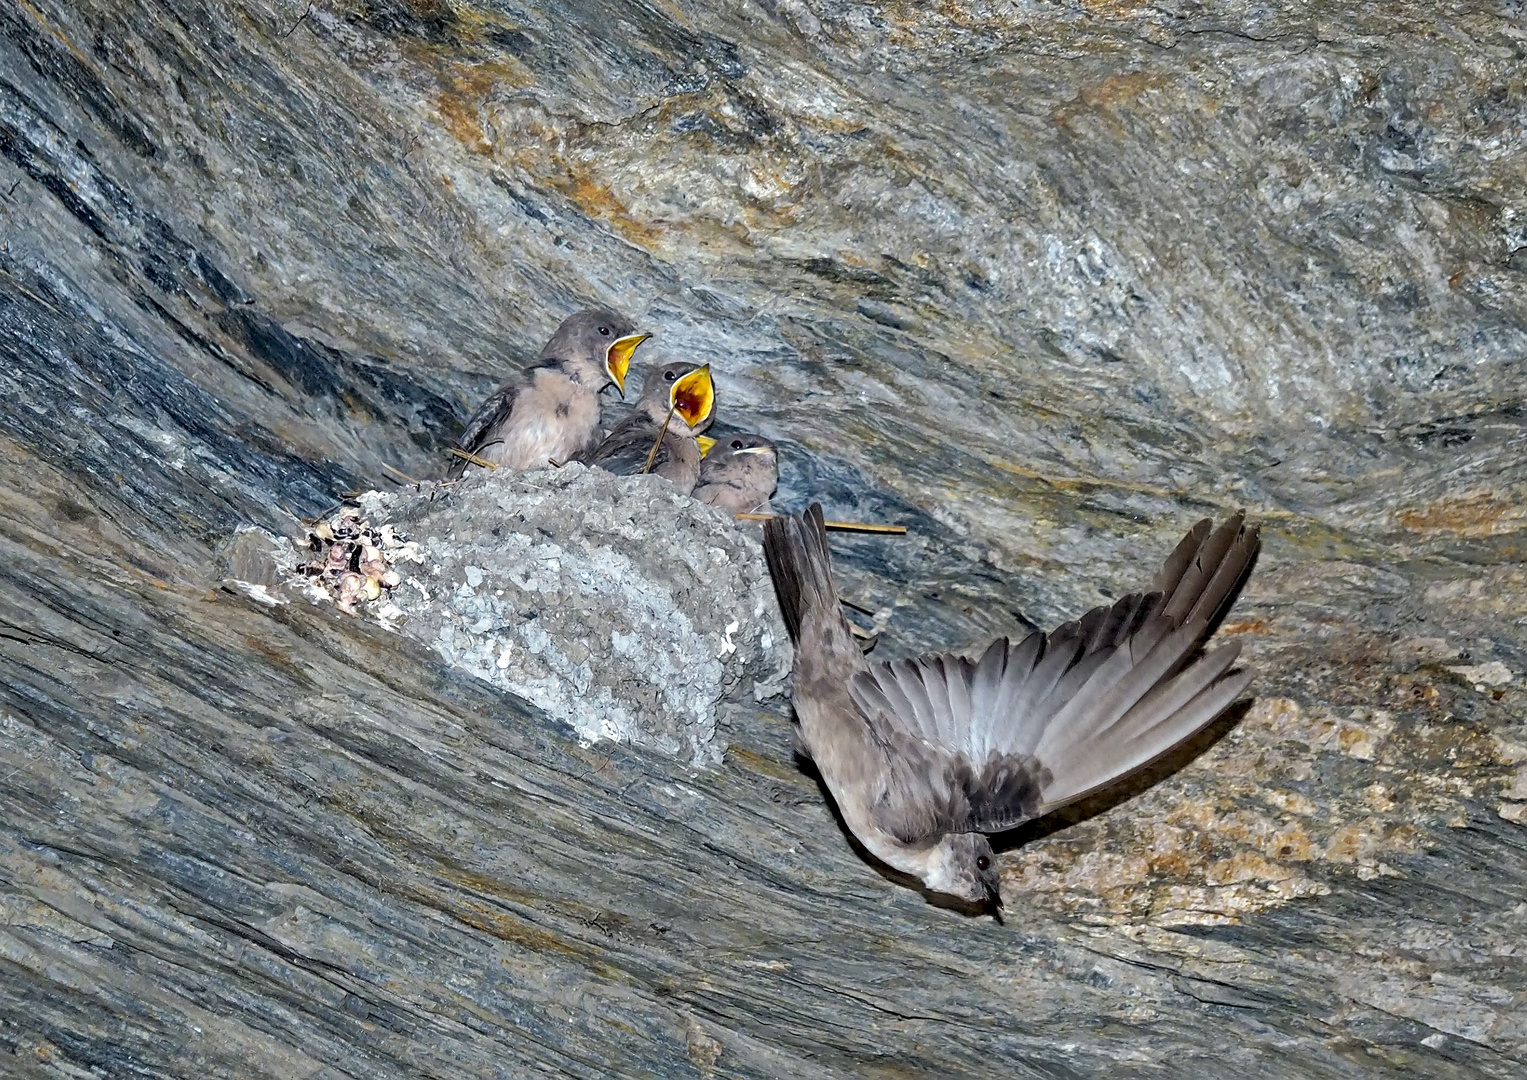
x=917 y=860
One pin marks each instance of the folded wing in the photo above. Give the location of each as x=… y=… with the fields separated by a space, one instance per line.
x=624 y=450
x=481 y=430
x=984 y=745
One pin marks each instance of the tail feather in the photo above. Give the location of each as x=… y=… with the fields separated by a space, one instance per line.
x=1177 y=563
x=796 y=550
x=1204 y=563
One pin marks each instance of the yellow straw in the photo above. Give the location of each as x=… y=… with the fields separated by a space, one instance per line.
x=846 y=526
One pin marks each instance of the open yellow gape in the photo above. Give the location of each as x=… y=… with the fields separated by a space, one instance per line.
x=617 y=358
x=693 y=396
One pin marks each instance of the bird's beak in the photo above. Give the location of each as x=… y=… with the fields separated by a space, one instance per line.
x=706 y=444
x=694 y=396
x=617 y=359
x=993 y=897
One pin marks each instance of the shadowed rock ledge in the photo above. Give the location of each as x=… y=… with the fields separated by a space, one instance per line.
x=1044 y=281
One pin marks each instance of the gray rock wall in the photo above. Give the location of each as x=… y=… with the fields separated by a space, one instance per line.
x=1043 y=281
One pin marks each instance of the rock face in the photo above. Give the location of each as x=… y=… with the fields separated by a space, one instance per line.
x=617 y=604
x=1045 y=282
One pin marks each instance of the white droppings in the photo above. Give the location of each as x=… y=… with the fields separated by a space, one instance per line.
x=1482 y=676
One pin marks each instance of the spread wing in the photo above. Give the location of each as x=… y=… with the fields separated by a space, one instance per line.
x=624 y=450
x=980 y=746
x=482 y=429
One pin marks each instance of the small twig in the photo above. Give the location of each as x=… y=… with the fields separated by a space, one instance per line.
x=400 y=472
x=300 y=20
x=846 y=602
x=17 y=769
x=652 y=454
x=845 y=526
x=27 y=292
x=473 y=458
x=323 y=516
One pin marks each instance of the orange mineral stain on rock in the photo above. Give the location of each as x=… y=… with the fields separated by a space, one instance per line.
x=464 y=92
x=1113 y=10
x=1110 y=94
x=1482 y=513
x=1291 y=842
x=1253 y=823
x=598 y=201
x=461 y=120
x=1244 y=866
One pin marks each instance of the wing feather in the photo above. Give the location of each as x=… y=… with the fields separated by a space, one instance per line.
x=1057 y=660
x=1115 y=690
x=1030 y=727
x=1167 y=697
x=985 y=690
x=1009 y=723
x=911 y=687
x=480 y=429
x=1227 y=577
x=929 y=673
x=1071 y=683
x=1170 y=574
x=956 y=672
x=624 y=450
x=1205 y=562
x=1119 y=757
x=888 y=688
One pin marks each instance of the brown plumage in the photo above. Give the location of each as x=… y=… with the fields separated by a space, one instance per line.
x=739 y=474
x=926 y=756
x=550 y=411
x=677 y=400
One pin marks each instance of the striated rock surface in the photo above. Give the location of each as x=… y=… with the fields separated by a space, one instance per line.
x=1045 y=281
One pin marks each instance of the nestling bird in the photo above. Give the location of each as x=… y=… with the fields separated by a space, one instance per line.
x=927 y=756
x=739 y=474
x=550 y=411
x=678 y=401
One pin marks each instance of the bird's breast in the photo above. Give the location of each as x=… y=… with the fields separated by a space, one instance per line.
x=553 y=419
x=682 y=466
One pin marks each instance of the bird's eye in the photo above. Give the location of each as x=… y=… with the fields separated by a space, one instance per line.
x=736 y=444
x=669 y=376
x=983 y=863
x=604 y=331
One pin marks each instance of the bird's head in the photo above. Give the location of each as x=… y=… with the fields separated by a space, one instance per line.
x=746 y=446
x=694 y=398
x=963 y=866
x=684 y=388
x=596 y=344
